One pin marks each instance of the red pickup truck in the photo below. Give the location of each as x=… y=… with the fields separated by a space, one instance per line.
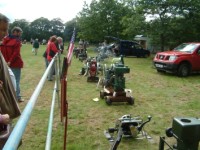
x=182 y=60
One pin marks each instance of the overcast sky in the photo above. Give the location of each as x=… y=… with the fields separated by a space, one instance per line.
x=31 y=10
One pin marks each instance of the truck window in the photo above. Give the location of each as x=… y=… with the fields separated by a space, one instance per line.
x=137 y=46
x=126 y=45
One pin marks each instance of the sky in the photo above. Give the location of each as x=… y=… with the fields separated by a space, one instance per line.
x=31 y=10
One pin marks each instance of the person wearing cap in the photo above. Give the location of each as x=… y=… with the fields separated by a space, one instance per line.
x=11 y=46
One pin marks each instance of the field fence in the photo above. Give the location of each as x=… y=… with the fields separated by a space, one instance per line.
x=19 y=129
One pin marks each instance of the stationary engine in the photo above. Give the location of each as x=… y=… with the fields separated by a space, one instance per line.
x=186 y=131
x=114 y=83
x=126 y=126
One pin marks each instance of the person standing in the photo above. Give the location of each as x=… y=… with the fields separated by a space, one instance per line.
x=52 y=50
x=60 y=45
x=36 y=46
x=8 y=101
x=11 y=47
x=3 y=32
x=45 y=52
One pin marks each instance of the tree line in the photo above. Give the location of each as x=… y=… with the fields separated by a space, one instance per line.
x=165 y=22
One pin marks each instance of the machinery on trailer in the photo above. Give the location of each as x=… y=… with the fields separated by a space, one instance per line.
x=186 y=131
x=114 y=83
x=126 y=126
x=82 y=54
x=91 y=69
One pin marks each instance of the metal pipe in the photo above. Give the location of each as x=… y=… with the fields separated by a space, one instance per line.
x=57 y=70
x=161 y=143
x=49 y=133
x=16 y=135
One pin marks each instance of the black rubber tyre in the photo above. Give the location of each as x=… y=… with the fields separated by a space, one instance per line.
x=183 y=70
x=96 y=79
x=169 y=132
x=108 y=101
x=145 y=55
x=131 y=101
x=101 y=94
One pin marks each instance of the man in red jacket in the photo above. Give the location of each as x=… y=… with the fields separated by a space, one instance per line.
x=10 y=49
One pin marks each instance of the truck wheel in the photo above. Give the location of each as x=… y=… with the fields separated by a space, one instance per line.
x=146 y=55
x=183 y=70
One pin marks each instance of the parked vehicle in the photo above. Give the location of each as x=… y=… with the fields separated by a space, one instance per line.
x=182 y=60
x=129 y=48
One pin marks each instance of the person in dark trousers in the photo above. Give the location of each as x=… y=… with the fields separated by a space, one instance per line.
x=36 y=46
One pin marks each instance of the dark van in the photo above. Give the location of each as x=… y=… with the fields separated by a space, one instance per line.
x=129 y=48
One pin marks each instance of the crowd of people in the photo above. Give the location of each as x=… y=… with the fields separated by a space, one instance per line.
x=55 y=45
x=11 y=64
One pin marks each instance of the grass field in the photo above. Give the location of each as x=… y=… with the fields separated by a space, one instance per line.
x=163 y=96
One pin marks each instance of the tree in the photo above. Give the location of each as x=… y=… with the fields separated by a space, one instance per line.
x=134 y=22
x=174 y=21
x=69 y=27
x=100 y=19
x=57 y=27
x=24 y=25
x=161 y=11
x=41 y=29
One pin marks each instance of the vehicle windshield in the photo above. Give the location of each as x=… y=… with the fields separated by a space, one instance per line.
x=189 y=48
x=180 y=47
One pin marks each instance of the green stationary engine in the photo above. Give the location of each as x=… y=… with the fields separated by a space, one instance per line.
x=119 y=79
x=114 y=76
x=114 y=83
x=186 y=130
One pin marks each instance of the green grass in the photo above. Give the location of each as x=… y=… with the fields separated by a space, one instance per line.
x=163 y=96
